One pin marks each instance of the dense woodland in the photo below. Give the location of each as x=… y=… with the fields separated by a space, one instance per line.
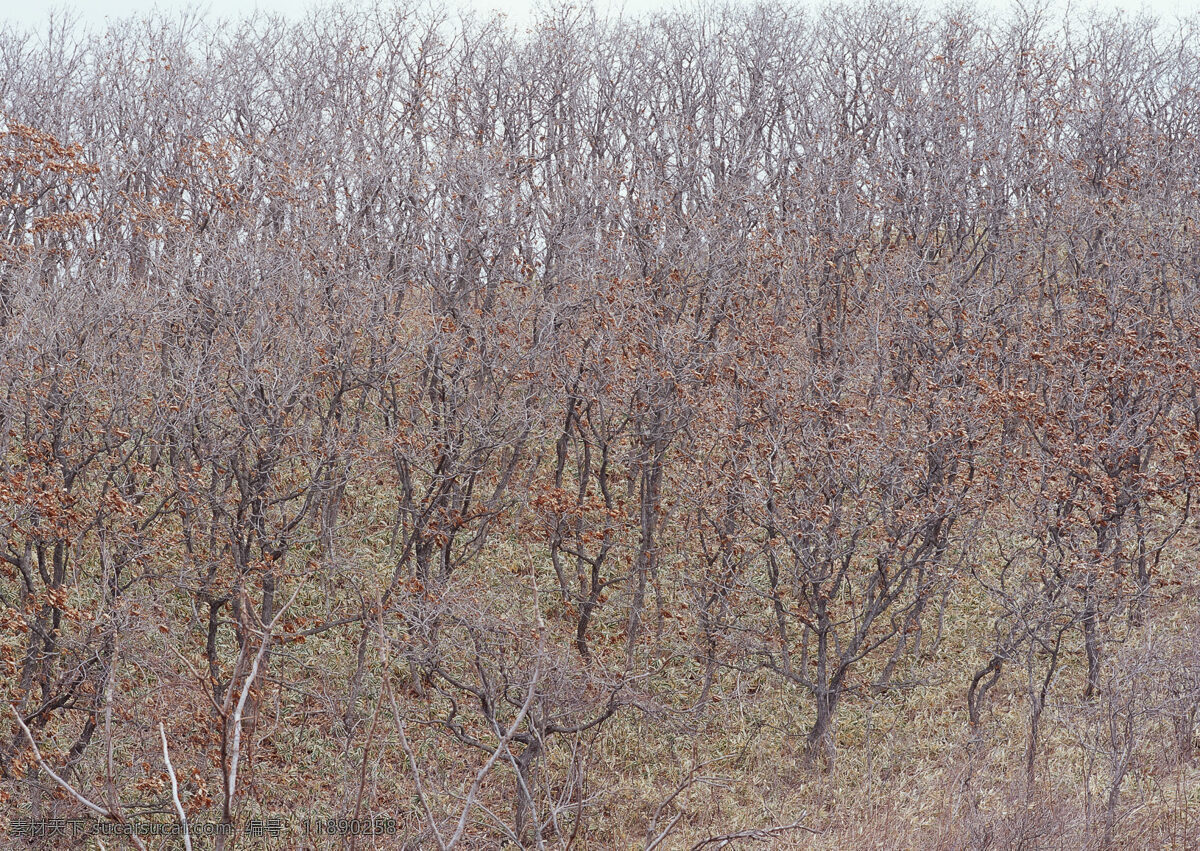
x=762 y=425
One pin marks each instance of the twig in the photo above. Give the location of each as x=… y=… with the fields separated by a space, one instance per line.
x=241 y=704
x=500 y=749
x=187 y=839
x=362 y=777
x=110 y=784
x=200 y=678
x=412 y=762
x=760 y=834
x=650 y=846
x=652 y=840
x=96 y=808
x=498 y=823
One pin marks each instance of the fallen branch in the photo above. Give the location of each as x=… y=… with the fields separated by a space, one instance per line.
x=761 y=834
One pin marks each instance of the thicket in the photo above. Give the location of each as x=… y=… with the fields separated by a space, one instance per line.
x=727 y=425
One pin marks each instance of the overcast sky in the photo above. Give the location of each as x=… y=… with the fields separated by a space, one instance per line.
x=33 y=13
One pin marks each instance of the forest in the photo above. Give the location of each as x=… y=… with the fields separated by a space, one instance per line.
x=750 y=426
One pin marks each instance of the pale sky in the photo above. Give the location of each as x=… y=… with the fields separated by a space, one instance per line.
x=33 y=13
